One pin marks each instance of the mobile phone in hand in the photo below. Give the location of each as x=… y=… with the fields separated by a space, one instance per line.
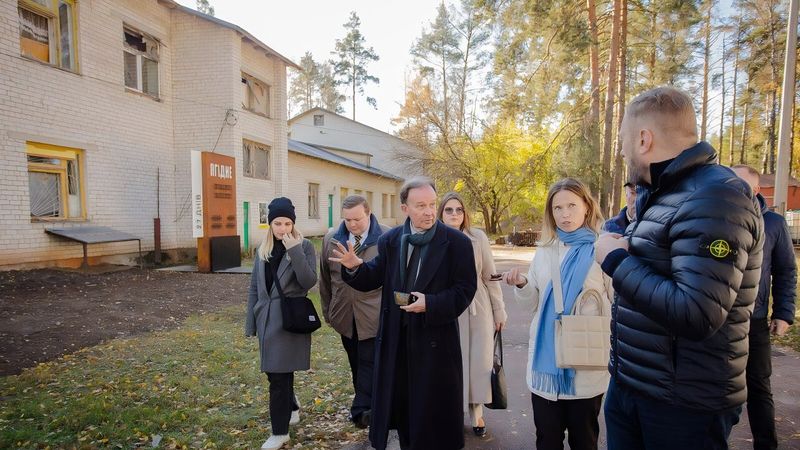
x=404 y=298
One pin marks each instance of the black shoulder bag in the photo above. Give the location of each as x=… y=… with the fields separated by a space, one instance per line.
x=499 y=390
x=299 y=314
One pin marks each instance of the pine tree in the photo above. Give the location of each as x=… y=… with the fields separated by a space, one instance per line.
x=353 y=56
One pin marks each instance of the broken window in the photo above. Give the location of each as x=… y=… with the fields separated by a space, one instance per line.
x=313 y=201
x=54 y=181
x=140 y=56
x=319 y=120
x=255 y=95
x=47 y=31
x=255 y=159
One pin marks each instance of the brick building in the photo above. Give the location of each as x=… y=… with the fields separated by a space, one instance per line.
x=101 y=104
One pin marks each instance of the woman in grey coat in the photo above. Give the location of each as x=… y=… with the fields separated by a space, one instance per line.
x=284 y=257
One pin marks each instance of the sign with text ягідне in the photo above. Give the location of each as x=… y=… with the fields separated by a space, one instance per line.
x=213 y=195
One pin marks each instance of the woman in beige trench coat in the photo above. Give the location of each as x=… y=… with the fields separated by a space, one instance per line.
x=485 y=315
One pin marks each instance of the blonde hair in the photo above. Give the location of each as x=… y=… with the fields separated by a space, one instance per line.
x=670 y=108
x=593 y=219
x=265 y=249
x=454 y=196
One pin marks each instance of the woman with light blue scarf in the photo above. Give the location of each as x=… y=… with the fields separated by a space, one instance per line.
x=564 y=399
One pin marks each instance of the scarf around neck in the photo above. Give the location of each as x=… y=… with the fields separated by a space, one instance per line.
x=417 y=240
x=548 y=377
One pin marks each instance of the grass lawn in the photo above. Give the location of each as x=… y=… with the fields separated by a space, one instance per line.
x=198 y=386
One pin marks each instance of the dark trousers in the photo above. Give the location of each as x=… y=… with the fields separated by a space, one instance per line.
x=361 y=355
x=281 y=401
x=635 y=421
x=577 y=417
x=760 y=407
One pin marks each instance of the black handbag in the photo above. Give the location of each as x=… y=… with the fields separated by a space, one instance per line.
x=299 y=314
x=498 y=380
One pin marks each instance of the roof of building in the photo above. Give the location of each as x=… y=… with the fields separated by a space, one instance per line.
x=314 y=151
x=768 y=180
x=305 y=113
x=234 y=27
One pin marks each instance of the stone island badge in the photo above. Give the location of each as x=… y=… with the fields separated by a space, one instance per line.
x=719 y=248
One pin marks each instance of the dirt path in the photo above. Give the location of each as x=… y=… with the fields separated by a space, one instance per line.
x=47 y=313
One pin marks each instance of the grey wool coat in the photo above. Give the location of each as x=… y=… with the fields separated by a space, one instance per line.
x=281 y=351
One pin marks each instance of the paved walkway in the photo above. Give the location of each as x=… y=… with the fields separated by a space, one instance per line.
x=513 y=428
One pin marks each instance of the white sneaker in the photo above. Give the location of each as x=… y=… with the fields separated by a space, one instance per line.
x=295 y=419
x=275 y=442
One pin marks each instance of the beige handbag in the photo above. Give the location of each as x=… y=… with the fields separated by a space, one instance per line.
x=583 y=337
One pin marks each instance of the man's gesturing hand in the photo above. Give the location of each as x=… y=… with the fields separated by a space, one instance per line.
x=345 y=256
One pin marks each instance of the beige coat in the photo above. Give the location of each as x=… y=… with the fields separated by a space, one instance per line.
x=476 y=324
x=588 y=383
x=340 y=302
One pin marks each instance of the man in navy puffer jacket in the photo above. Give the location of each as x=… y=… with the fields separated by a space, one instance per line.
x=685 y=283
x=779 y=278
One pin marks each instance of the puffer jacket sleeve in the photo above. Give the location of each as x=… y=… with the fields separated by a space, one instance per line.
x=693 y=300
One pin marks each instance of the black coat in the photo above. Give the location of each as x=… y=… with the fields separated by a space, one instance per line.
x=447 y=278
x=682 y=314
x=778 y=270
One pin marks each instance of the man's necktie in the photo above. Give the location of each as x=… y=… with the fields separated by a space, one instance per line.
x=413 y=268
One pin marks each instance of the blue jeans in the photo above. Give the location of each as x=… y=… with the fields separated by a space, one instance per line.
x=635 y=421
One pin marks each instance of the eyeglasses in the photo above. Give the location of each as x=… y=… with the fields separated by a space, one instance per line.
x=457 y=210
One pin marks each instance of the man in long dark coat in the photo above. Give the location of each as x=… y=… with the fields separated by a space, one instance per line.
x=418 y=378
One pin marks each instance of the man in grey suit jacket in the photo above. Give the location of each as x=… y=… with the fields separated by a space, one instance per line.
x=353 y=314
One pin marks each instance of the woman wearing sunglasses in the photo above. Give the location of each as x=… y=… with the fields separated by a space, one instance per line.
x=485 y=315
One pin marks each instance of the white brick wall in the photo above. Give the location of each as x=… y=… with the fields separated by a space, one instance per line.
x=269 y=131
x=127 y=137
x=46 y=104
